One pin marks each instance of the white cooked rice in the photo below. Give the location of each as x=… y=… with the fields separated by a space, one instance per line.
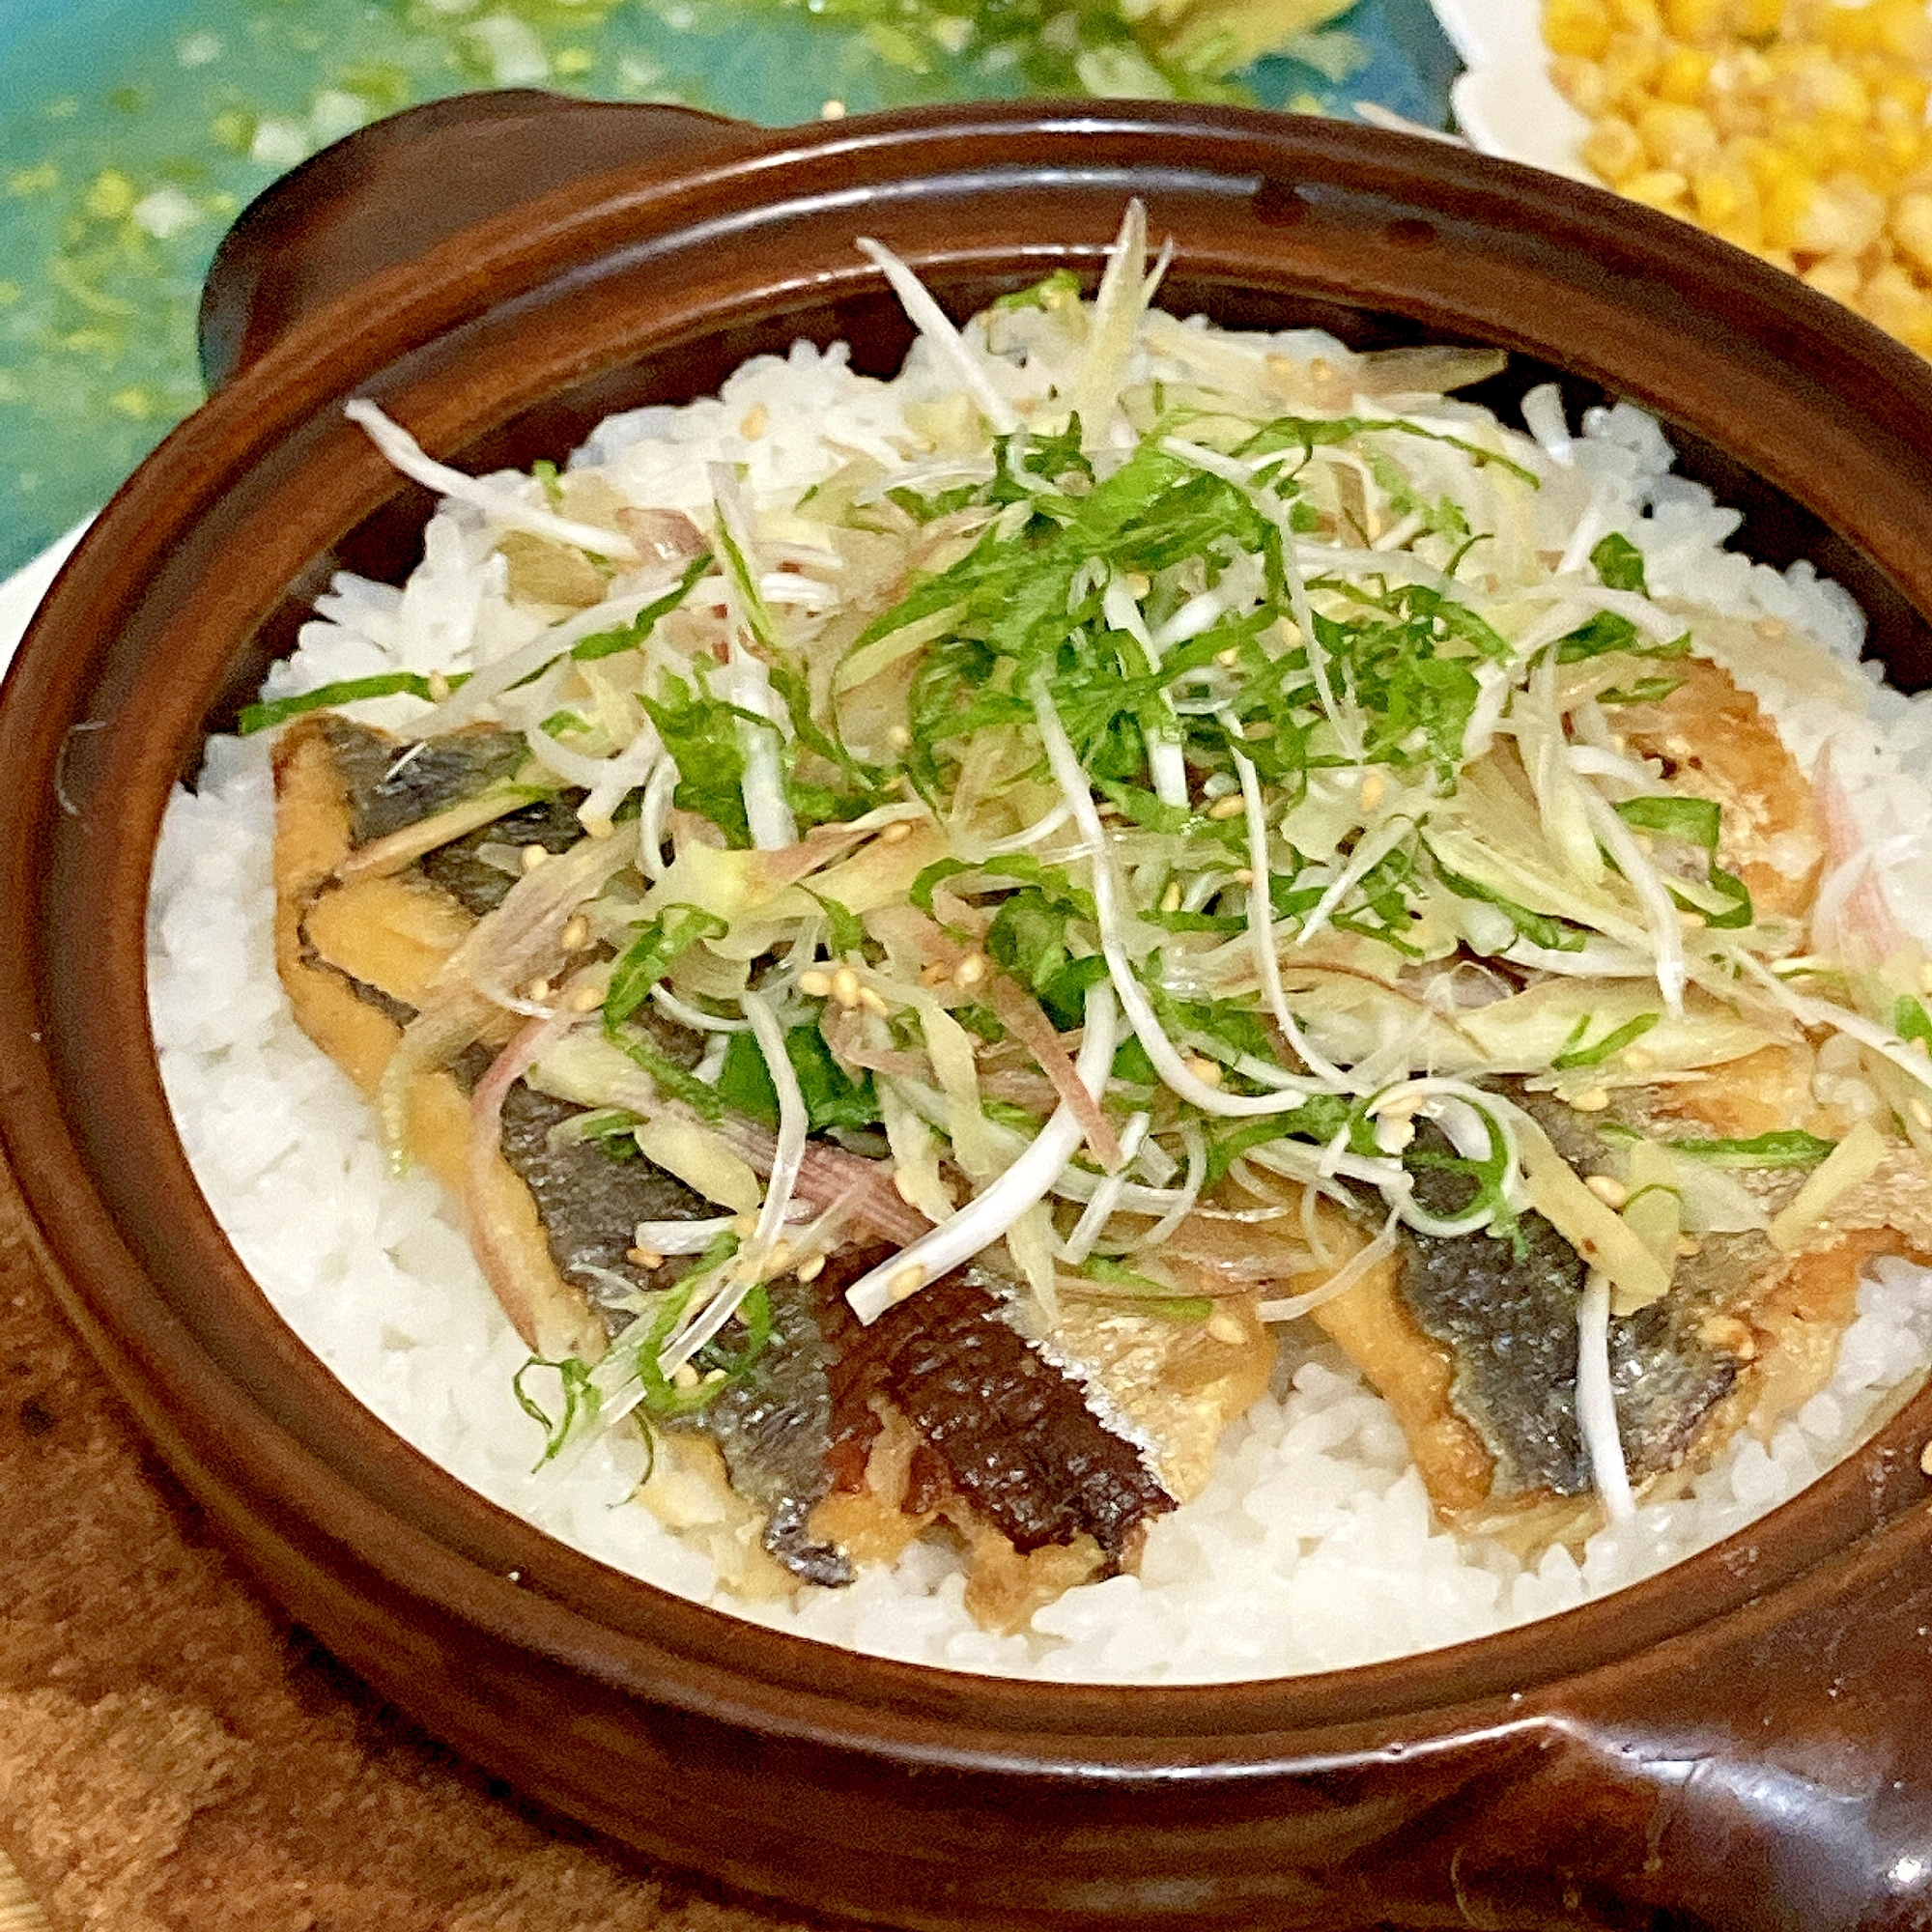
x=1313 y=1547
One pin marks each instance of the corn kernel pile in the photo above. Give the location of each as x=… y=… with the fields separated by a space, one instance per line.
x=1796 y=129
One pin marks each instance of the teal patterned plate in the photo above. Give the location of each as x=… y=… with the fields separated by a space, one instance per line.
x=131 y=131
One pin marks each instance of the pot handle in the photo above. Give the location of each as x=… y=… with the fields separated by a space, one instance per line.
x=393 y=191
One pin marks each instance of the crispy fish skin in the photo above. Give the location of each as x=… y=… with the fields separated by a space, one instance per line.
x=385 y=792
x=1509 y=1321
x=1175 y=1386
x=774 y=1429
x=923 y=1401
x=1000 y=1419
x=590 y=1203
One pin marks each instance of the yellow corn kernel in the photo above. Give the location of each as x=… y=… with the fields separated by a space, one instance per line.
x=1684 y=76
x=1741 y=69
x=1657 y=187
x=1844 y=217
x=1699 y=20
x=1904 y=29
x=1726 y=201
x=1630 y=70
x=1916 y=331
x=1911 y=228
x=1895 y=90
x=1613 y=151
x=1742 y=233
x=1837 y=276
x=1734 y=99
x=1825 y=87
x=1890 y=150
x=1848 y=30
x=1680 y=140
x=1757 y=19
x=1581 y=82
x=1644 y=15
x=1764 y=160
x=1579 y=27
x=1891 y=300
x=1785 y=201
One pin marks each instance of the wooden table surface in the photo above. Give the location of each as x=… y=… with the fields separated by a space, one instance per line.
x=176 y=1756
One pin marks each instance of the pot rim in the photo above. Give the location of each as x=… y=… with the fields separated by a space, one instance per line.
x=254 y=1409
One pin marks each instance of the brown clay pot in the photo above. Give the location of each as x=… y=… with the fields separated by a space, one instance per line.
x=1744 y=1742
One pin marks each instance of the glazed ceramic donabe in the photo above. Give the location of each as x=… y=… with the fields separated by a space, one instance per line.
x=1743 y=1742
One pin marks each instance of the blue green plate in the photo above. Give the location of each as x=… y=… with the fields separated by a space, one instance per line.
x=131 y=132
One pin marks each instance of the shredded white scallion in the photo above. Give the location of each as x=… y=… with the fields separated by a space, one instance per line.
x=932 y=323
x=1597 y=1401
x=991 y=1212
x=503 y=506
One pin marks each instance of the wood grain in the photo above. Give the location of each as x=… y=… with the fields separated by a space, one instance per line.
x=176 y=1756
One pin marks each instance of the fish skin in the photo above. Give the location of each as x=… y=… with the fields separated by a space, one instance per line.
x=391 y=785
x=1509 y=1319
x=1014 y=1435
x=1017 y=1436
x=1506 y=1308
x=590 y=1203
x=773 y=1428
x=480 y=887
